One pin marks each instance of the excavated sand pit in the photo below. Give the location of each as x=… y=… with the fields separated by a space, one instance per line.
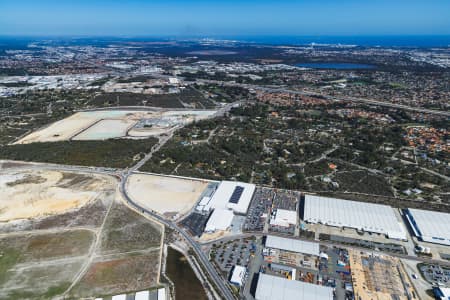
x=34 y=193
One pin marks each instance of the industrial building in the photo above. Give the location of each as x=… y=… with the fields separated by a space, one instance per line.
x=237 y=275
x=283 y=218
x=361 y=216
x=232 y=195
x=292 y=245
x=276 y=288
x=429 y=226
x=220 y=219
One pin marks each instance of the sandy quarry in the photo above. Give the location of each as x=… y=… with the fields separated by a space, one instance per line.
x=165 y=195
x=103 y=124
x=34 y=193
x=106 y=129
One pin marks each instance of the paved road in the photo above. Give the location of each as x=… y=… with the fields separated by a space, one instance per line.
x=331 y=244
x=214 y=276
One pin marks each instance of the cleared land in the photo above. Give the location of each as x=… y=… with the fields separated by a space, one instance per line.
x=109 y=277
x=41 y=265
x=125 y=231
x=104 y=124
x=29 y=194
x=165 y=195
x=127 y=258
x=100 y=247
x=106 y=129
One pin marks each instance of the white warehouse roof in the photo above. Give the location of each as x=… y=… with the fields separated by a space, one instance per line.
x=276 y=288
x=359 y=215
x=237 y=277
x=284 y=218
x=292 y=245
x=233 y=195
x=220 y=219
x=430 y=226
x=119 y=297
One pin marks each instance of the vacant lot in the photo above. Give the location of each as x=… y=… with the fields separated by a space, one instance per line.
x=29 y=194
x=41 y=265
x=106 y=129
x=165 y=195
x=106 y=124
x=109 y=277
x=125 y=230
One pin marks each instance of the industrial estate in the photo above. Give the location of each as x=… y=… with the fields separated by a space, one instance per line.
x=160 y=170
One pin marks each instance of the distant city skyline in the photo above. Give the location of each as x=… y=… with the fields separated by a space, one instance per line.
x=216 y=18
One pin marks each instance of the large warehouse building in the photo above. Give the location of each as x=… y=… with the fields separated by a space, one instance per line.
x=232 y=195
x=430 y=226
x=276 y=288
x=292 y=245
x=284 y=218
x=362 y=216
x=220 y=219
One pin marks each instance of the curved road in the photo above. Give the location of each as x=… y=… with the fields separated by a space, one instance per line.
x=214 y=276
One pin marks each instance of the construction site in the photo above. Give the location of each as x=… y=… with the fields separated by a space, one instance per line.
x=379 y=277
x=118 y=123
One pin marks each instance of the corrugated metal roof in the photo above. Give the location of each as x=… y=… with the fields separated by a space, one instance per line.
x=238 y=275
x=277 y=288
x=222 y=195
x=432 y=225
x=220 y=219
x=359 y=215
x=292 y=245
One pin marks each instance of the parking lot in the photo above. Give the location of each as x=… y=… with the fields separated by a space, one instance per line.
x=286 y=199
x=195 y=223
x=260 y=205
x=435 y=274
x=231 y=253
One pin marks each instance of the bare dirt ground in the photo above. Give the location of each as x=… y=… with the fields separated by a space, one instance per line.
x=165 y=195
x=35 y=193
x=112 y=123
x=106 y=129
x=96 y=246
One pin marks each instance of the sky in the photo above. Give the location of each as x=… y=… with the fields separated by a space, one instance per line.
x=224 y=18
